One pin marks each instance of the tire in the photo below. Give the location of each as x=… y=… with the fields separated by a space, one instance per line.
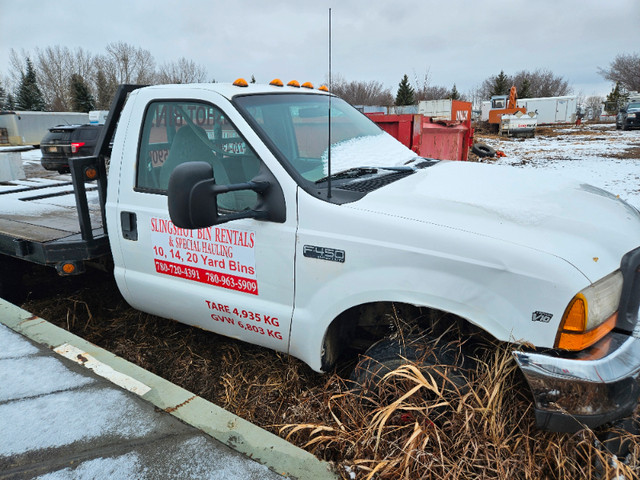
x=444 y=363
x=483 y=150
x=625 y=127
x=618 y=127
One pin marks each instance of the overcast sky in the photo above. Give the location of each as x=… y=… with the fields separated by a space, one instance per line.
x=456 y=41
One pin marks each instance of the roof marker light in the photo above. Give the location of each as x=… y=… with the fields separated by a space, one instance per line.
x=293 y=83
x=307 y=85
x=241 y=82
x=276 y=82
x=324 y=88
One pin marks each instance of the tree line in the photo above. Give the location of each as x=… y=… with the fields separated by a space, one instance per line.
x=59 y=79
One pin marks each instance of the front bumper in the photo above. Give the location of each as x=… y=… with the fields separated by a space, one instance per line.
x=596 y=386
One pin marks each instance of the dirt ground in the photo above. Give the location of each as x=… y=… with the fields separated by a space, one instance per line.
x=488 y=431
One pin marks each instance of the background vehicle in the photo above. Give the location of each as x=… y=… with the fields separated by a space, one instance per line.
x=231 y=208
x=629 y=116
x=66 y=141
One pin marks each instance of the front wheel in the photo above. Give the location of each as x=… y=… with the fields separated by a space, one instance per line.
x=444 y=366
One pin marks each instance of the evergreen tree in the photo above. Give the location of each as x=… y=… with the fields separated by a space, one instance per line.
x=615 y=99
x=525 y=89
x=454 y=94
x=29 y=96
x=3 y=97
x=10 y=103
x=501 y=84
x=81 y=98
x=405 y=95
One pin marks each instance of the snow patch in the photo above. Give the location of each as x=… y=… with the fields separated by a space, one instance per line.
x=13 y=345
x=35 y=375
x=61 y=419
x=372 y=151
x=123 y=467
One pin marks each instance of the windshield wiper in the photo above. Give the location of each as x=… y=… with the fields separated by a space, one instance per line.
x=350 y=173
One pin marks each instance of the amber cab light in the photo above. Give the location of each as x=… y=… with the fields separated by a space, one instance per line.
x=324 y=88
x=241 y=82
x=307 y=85
x=276 y=82
x=293 y=83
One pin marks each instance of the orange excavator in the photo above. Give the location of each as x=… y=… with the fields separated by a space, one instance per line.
x=504 y=105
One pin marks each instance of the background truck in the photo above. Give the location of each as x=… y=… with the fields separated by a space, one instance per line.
x=226 y=209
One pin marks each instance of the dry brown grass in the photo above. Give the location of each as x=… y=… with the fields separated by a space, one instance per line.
x=412 y=429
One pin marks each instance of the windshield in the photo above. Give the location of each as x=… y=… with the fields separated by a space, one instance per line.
x=297 y=125
x=634 y=105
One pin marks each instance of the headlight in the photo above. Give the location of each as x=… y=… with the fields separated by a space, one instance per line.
x=591 y=314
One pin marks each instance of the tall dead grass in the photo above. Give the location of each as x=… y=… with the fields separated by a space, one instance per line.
x=412 y=428
x=416 y=429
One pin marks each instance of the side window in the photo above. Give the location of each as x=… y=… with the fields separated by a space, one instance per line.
x=176 y=132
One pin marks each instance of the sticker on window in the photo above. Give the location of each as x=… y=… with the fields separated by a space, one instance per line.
x=219 y=256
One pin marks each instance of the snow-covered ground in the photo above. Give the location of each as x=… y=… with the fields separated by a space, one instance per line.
x=596 y=154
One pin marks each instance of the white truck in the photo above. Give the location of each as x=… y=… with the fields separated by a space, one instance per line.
x=227 y=210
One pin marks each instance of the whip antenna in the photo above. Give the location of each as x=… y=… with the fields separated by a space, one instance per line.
x=329 y=117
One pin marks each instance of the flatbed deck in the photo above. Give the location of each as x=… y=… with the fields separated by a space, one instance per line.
x=39 y=221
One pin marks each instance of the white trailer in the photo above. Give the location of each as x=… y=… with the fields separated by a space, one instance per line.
x=28 y=128
x=550 y=110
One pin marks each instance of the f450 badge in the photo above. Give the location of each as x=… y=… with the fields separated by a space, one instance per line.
x=323 y=253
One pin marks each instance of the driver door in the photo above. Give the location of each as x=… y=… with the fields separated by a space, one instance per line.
x=234 y=279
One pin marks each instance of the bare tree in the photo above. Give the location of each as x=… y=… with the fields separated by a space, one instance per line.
x=625 y=70
x=361 y=93
x=182 y=71
x=423 y=90
x=594 y=106
x=55 y=67
x=128 y=64
x=539 y=83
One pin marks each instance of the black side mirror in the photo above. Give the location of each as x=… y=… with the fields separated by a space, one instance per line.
x=193 y=196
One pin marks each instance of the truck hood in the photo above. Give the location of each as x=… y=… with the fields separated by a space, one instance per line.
x=582 y=224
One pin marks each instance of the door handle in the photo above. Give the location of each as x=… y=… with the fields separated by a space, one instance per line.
x=129 y=225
